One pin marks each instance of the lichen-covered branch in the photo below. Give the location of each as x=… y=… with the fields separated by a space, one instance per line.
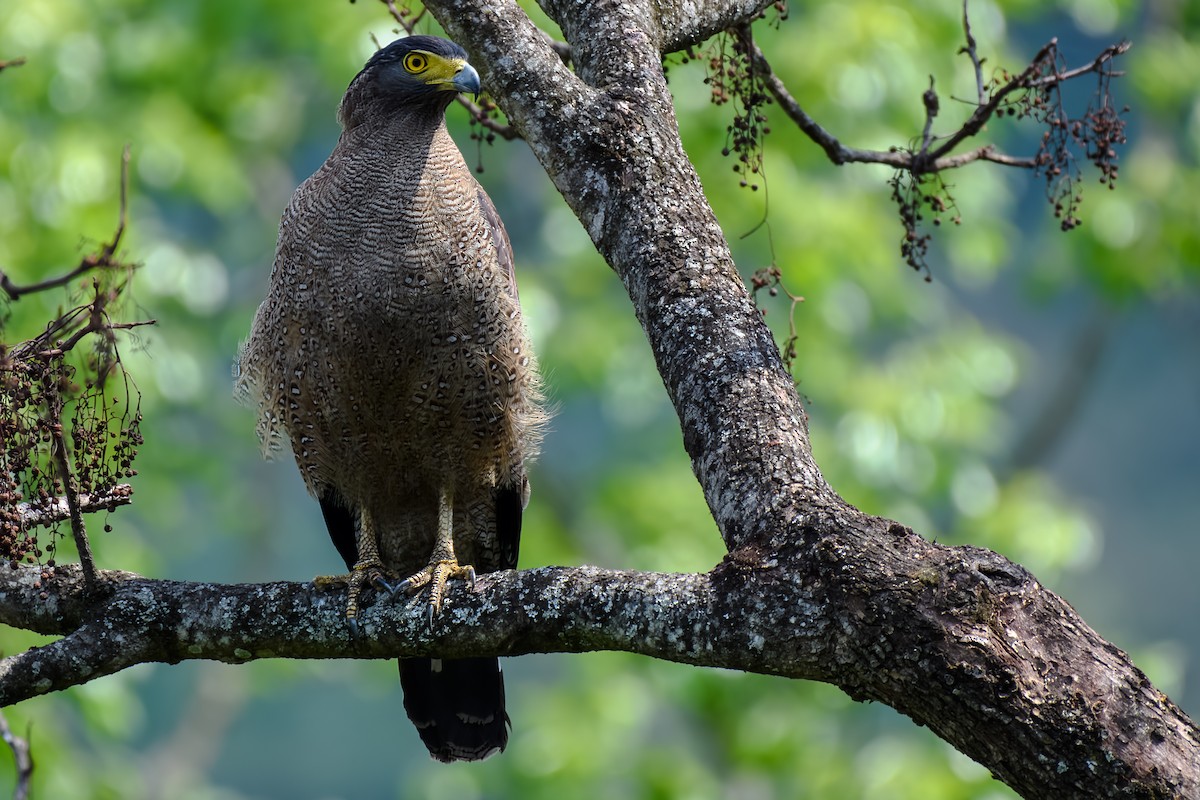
x=56 y=509
x=959 y=639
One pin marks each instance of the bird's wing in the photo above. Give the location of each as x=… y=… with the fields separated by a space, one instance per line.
x=504 y=253
x=510 y=506
x=342 y=524
x=510 y=500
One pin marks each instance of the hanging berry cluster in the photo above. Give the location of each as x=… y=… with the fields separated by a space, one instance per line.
x=733 y=80
x=63 y=389
x=1096 y=133
x=915 y=195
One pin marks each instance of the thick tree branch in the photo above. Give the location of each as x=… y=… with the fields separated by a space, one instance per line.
x=958 y=638
x=676 y=24
x=614 y=154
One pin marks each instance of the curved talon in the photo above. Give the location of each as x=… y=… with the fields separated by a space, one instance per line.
x=367 y=572
x=379 y=583
x=436 y=575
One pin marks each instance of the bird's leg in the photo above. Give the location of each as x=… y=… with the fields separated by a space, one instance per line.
x=368 y=569
x=442 y=563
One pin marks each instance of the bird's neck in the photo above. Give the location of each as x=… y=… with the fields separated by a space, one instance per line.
x=376 y=138
x=363 y=106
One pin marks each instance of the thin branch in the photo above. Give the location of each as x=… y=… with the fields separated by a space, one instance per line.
x=926 y=160
x=401 y=16
x=12 y=62
x=986 y=153
x=482 y=116
x=91 y=317
x=56 y=509
x=930 y=100
x=22 y=758
x=973 y=54
x=99 y=323
x=70 y=488
x=1027 y=79
x=106 y=257
x=1097 y=66
x=16 y=292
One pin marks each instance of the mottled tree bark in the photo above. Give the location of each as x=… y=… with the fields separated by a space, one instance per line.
x=960 y=639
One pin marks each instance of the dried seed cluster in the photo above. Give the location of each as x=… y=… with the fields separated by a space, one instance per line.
x=1096 y=133
x=733 y=80
x=916 y=195
x=52 y=389
x=771 y=279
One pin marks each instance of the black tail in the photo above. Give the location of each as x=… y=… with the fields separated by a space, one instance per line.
x=457 y=706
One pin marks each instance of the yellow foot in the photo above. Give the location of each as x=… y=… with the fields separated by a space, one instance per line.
x=365 y=573
x=436 y=574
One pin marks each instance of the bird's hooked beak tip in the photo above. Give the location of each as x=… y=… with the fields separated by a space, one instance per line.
x=467 y=81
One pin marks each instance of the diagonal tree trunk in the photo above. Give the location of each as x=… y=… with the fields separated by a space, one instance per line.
x=959 y=639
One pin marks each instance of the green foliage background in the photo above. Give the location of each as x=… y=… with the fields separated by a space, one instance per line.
x=918 y=392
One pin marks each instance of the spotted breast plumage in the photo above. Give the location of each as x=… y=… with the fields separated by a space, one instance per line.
x=391 y=356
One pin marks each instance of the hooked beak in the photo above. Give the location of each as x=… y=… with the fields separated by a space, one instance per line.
x=466 y=80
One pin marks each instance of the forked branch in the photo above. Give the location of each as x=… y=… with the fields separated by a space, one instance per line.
x=1033 y=93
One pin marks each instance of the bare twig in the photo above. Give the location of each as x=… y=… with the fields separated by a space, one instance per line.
x=481 y=114
x=938 y=158
x=973 y=54
x=1033 y=93
x=930 y=101
x=1028 y=79
x=404 y=16
x=15 y=292
x=100 y=323
x=57 y=509
x=106 y=257
x=70 y=489
x=22 y=758
x=1098 y=66
x=12 y=62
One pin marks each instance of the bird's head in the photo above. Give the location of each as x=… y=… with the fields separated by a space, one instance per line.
x=413 y=72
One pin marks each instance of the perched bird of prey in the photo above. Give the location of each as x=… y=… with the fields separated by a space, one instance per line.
x=391 y=356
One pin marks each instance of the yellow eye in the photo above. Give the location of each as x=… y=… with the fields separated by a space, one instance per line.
x=415 y=62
